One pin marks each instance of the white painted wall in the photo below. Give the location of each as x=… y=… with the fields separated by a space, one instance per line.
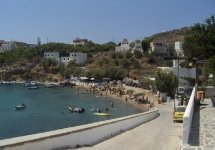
x=65 y=60
x=79 y=58
x=122 y=48
x=176 y=62
x=184 y=72
x=187 y=118
x=178 y=48
x=52 y=55
x=81 y=135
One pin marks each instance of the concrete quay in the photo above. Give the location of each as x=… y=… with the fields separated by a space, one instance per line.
x=202 y=135
x=158 y=134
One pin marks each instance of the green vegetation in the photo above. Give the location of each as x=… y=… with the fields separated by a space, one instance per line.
x=199 y=41
x=209 y=67
x=166 y=82
x=87 y=48
x=146 y=44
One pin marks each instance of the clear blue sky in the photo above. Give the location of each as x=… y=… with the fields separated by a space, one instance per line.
x=97 y=20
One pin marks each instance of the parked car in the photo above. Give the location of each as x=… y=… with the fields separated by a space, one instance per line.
x=179 y=113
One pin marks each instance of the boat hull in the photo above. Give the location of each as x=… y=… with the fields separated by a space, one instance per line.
x=102 y=114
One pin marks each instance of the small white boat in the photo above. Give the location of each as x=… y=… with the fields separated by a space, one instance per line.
x=49 y=85
x=33 y=87
x=79 y=110
x=102 y=114
x=19 y=107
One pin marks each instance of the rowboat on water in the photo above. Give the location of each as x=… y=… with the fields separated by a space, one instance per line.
x=102 y=114
x=79 y=110
x=19 y=107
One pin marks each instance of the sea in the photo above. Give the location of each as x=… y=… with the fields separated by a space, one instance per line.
x=47 y=109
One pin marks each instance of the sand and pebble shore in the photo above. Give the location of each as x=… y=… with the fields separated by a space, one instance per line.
x=88 y=87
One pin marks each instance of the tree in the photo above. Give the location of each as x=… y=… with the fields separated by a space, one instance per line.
x=209 y=67
x=128 y=54
x=145 y=44
x=199 y=41
x=137 y=54
x=166 y=82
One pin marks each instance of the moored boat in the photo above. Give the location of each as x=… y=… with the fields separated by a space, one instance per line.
x=79 y=110
x=49 y=85
x=102 y=114
x=29 y=83
x=33 y=87
x=19 y=107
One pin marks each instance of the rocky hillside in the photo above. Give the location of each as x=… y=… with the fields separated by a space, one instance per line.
x=28 y=71
x=171 y=36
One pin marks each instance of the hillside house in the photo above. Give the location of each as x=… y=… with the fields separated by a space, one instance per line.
x=7 y=46
x=137 y=46
x=79 y=42
x=52 y=55
x=179 y=49
x=80 y=58
x=123 y=46
x=160 y=48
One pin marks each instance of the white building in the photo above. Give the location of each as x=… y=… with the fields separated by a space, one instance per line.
x=182 y=72
x=179 y=49
x=65 y=60
x=80 y=58
x=123 y=47
x=52 y=55
x=160 y=48
x=137 y=46
x=7 y=46
x=177 y=62
x=79 y=41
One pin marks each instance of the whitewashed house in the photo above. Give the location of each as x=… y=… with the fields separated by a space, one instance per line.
x=65 y=60
x=179 y=49
x=7 y=46
x=79 y=41
x=80 y=58
x=52 y=55
x=160 y=48
x=182 y=72
x=123 y=46
x=137 y=46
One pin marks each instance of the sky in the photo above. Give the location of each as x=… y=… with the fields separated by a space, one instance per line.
x=98 y=20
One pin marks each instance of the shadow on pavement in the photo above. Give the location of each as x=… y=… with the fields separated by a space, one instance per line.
x=194 y=132
x=213 y=101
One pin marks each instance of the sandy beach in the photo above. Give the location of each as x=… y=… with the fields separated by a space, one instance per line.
x=143 y=107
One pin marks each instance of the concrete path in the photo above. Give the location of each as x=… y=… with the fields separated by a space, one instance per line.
x=202 y=136
x=158 y=134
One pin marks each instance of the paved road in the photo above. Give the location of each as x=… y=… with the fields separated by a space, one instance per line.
x=158 y=134
x=202 y=136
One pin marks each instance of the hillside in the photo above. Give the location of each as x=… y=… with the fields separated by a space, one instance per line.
x=103 y=61
x=171 y=36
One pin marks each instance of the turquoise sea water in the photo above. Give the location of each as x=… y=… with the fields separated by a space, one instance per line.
x=47 y=109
